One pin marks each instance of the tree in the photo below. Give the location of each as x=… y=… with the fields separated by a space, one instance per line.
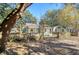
x=26 y=18
x=50 y=18
x=68 y=16
x=9 y=22
x=5 y=9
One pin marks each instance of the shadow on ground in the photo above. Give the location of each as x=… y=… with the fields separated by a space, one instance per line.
x=49 y=48
x=46 y=48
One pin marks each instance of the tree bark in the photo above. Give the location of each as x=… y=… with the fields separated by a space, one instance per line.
x=9 y=22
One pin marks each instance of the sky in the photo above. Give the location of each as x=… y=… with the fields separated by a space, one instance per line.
x=39 y=9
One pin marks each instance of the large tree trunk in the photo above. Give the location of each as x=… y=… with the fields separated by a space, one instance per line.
x=9 y=22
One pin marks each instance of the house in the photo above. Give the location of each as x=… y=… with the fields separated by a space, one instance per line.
x=31 y=28
x=58 y=29
x=50 y=31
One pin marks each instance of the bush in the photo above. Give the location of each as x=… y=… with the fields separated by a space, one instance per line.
x=31 y=38
x=15 y=38
x=11 y=38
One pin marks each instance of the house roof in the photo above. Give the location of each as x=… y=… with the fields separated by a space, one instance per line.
x=31 y=25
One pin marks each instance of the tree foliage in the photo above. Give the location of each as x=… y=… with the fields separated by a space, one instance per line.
x=27 y=17
x=50 y=18
x=68 y=16
x=5 y=9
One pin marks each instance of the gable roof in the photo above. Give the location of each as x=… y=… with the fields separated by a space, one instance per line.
x=31 y=25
